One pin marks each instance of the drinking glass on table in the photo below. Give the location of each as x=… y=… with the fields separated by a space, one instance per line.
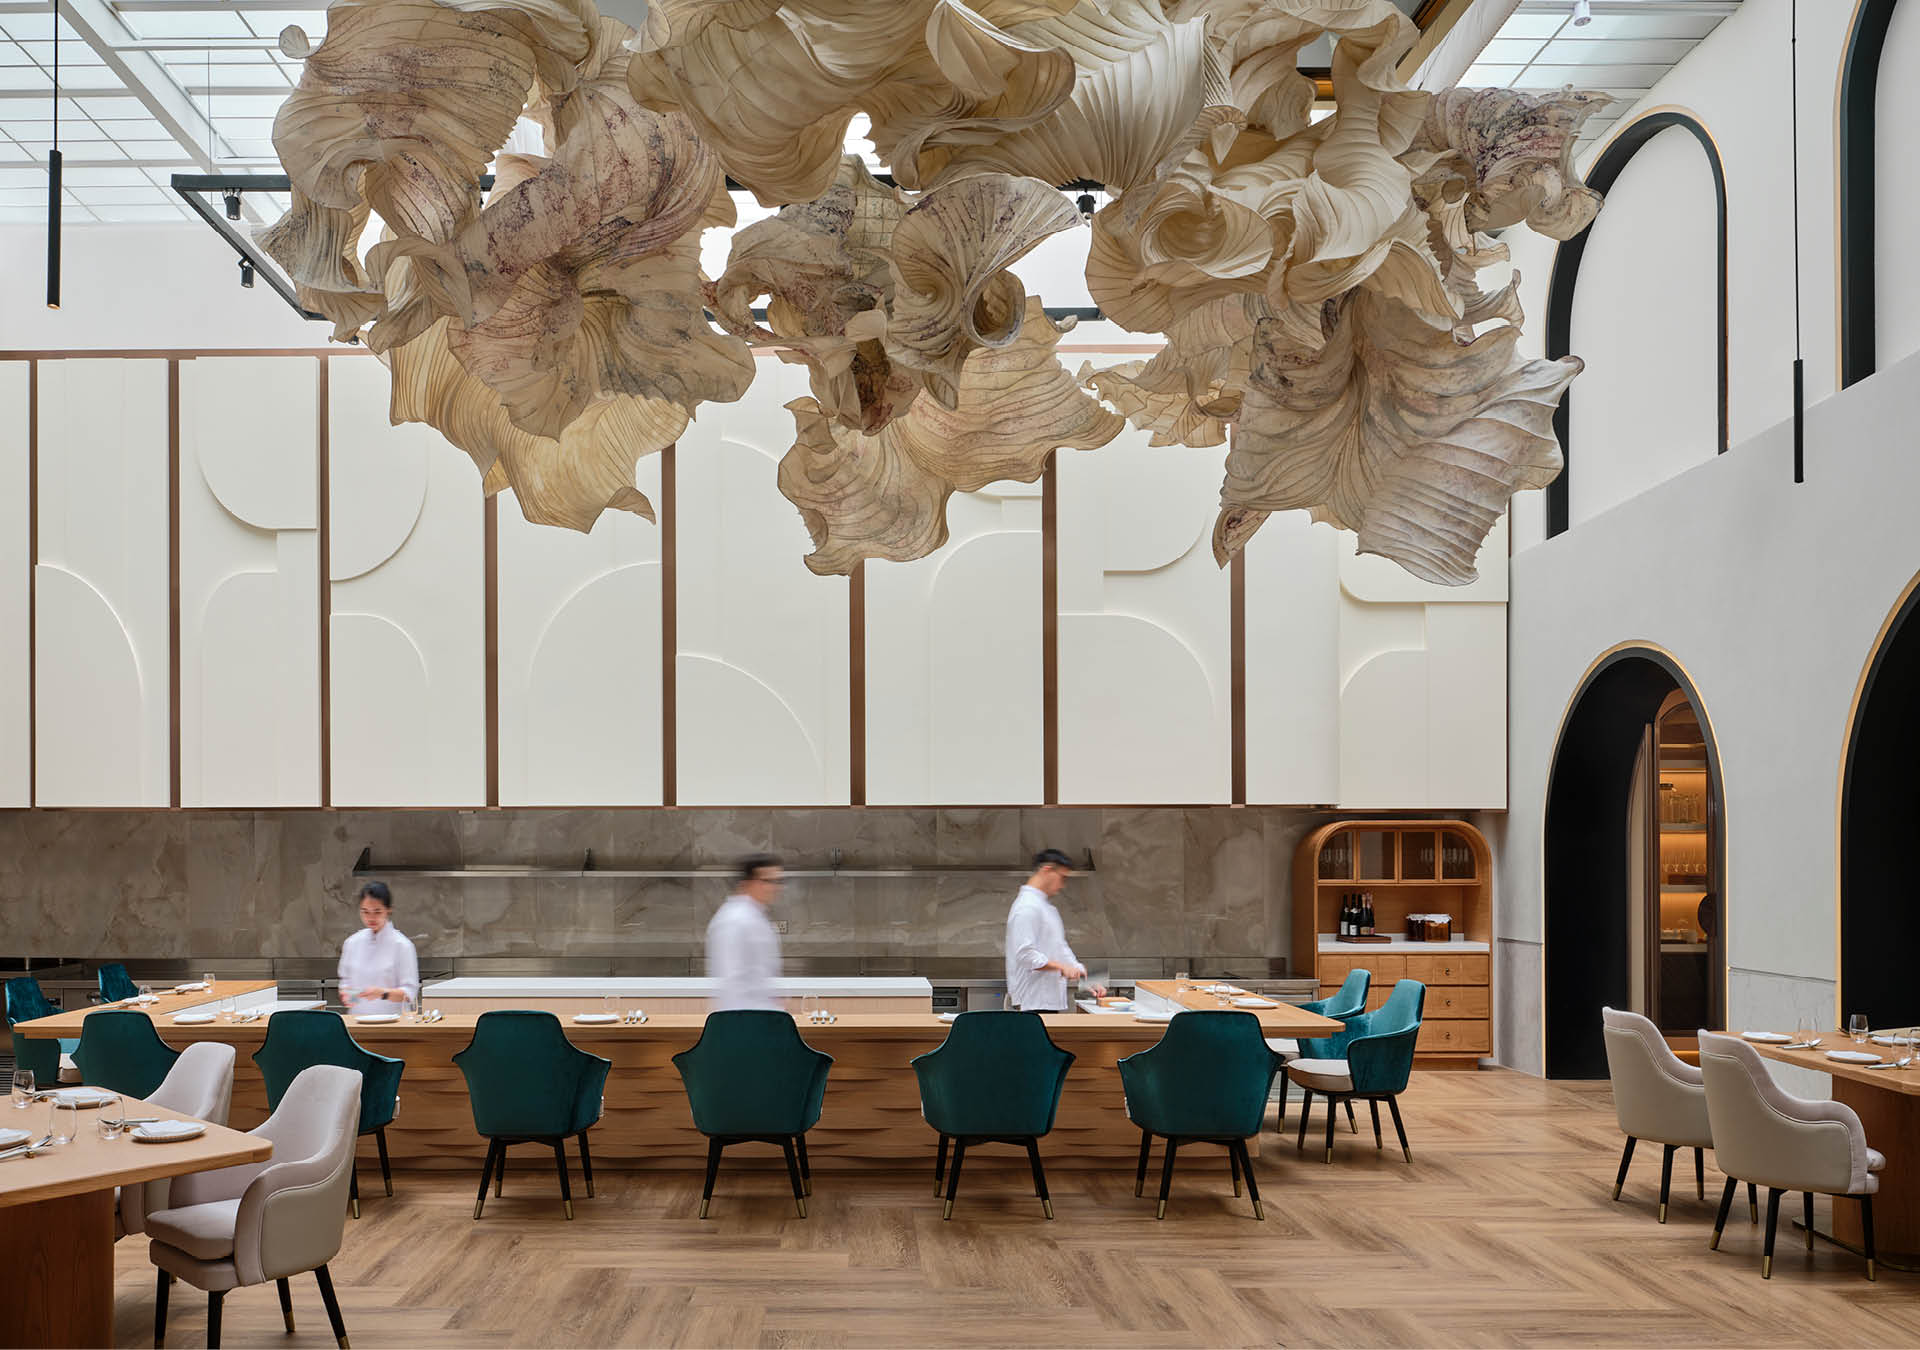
x=65 y=1127
x=146 y=992
x=1180 y=981
x=207 y=979
x=1857 y=1028
x=108 y=1119
x=226 y=1008
x=1903 y=1050
x=22 y=1089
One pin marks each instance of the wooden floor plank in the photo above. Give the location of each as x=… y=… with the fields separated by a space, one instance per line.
x=1500 y=1233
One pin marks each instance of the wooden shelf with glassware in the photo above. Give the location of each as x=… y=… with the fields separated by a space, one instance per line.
x=1410 y=868
x=1684 y=859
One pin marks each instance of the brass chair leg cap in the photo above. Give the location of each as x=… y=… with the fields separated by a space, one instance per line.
x=1616 y=1192
x=1713 y=1244
x=476 y=1211
x=1160 y=1210
x=1870 y=1274
x=1663 y=1213
x=1139 y=1189
x=1236 y=1188
x=937 y=1188
x=1259 y=1213
x=806 y=1187
x=1407 y=1153
x=800 y=1203
x=288 y=1319
x=1766 y=1267
x=568 y=1206
x=344 y=1345
x=1329 y=1155
x=1753 y=1214
x=356 y=1209
x=703 y=1208
x=1047 y=1206
x=589 y=1190
x=946 y=1210
x=389 y=1190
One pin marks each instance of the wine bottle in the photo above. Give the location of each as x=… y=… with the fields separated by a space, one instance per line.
x=1343 y=915
x=1347 y=925
x=1366 y=914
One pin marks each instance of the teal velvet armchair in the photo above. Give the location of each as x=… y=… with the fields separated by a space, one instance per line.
x=528 y=1084
x=27 y=1003
x=750 y=1078
x=1205 y=1081
x=120 y=1051
x=116 y=985
x=297 y=1039
x=996 y=1079
x=1346 y=1001
x=1371 y=1061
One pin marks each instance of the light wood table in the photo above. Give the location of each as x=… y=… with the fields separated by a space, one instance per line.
x=167 y=1003
x=1888 y=1104
x=56 y=1232
x=872 y=1113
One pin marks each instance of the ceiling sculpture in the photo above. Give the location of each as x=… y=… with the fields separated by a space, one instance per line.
x=1315 y=281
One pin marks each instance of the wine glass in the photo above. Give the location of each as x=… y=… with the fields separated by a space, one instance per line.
x=22 y=1089
x=1857 y=1028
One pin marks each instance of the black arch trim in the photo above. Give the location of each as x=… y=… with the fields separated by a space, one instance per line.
x=1859 y=88
x=1566 y=277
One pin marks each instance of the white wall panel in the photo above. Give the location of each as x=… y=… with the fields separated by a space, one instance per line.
x=954 y=710
x=408 y=643
x=762 y=670
x=102 y=651
x=1293 y=668
x=16 y=787
x=249 y=582
x=1896 y=192
x=580 y=665
x=1145 y=678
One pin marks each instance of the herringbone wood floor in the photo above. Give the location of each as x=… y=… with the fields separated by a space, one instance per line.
x=1499 y=1233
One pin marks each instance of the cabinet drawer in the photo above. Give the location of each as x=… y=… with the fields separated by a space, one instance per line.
x=1458 y=968
x=1384 y=966
x=1461 y=1037
x=1458 y=1000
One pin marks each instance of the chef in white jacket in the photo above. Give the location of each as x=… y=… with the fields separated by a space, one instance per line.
x=379 y=972
x=1039 y=961
x=743 y=949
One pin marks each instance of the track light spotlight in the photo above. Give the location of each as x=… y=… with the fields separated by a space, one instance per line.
x=246 y=273
x=1582 y=13
x=232 y=198
x=1086 y=207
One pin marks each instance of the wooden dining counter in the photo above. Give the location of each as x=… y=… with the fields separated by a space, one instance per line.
x=871 y=1118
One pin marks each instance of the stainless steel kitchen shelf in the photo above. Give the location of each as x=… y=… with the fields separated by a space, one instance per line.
x=365 y=866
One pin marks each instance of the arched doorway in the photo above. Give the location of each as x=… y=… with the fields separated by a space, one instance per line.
x=1634 y=852
x=1879 y=798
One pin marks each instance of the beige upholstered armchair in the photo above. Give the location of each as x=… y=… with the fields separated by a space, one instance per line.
x=270 y=1220
x=200 y=1084
x=1764 y=1135
x=1657 y=1096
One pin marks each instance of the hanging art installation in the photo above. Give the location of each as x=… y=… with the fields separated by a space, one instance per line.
x=1314 y=278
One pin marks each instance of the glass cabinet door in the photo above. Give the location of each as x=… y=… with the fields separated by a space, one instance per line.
x=1375 y=850
x=1418 y=856
x=1456 y=857
x=1336 y=857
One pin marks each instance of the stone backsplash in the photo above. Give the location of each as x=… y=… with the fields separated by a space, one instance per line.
x=1209 y=883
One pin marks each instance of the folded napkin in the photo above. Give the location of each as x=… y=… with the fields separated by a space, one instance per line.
x=161 y=1130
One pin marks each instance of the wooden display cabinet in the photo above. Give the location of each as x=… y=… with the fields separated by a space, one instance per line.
x=1409 y=867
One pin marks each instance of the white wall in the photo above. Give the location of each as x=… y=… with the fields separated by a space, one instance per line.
x=16 y=788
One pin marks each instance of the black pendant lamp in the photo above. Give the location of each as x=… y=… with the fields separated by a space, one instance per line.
x=53 y=177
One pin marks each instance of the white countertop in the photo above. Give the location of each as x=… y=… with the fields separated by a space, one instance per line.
x=1330 y=943
x=683 y=986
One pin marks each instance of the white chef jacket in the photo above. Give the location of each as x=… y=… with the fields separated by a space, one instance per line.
x=382 y=960
x=743 y=957
x=1036 y=935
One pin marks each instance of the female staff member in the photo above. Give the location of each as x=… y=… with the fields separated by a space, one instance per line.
x=379 y=972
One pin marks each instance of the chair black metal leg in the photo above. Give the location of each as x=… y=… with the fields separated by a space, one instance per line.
x=1720 y=1222
x=806 y=1169
x=793 y=1174
x=560 y=1166
x=286 y=1304
x=1306 y=1113
x=160 y=1311
x=386 y=1167
x=486 y=1175
x=953 y=1177
x=500 y=1172
x=940 y=1167
x=1239 y=1147
x=1280 y=1125
x=1039 y=1177
x=1233 y=1164
x=1399 y=1128
x=586 y=1162
x=1700 y=1173
x=1166 y=1178
x=1773 y=1219
x=1753 y=1204
x=1332 y=1115
x=1666 y=1176
x=1373 y=1105
x=1626 y=1156
x=1866 y=1232
x=1806 y=1216
x=214 y=1300
x=325 y=1281
x=353 y=1190
x=713 y=1170
x=1353 y=1126
x=1140 y=1173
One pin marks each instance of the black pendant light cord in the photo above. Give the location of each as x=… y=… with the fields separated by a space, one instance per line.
x=1799 y=365
x=53 y=177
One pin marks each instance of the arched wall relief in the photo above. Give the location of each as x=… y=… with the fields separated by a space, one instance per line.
x=1854 y=152
x=1619 y=152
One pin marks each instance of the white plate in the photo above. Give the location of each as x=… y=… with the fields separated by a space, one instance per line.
x=1250 y=1001
x=1153 y=1017
x=1896 y=1040
x=82 y=1097
x=11 y=1138
x=166 y=1131
x=139 y=998
x=376 y=1019
x=1766 y=1037
x=191 y=988
x=191 y=1019
x=596 y=1019
x=948 y=1017
x=1853 y=1056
